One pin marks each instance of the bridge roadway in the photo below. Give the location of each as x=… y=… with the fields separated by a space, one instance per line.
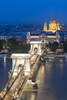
x=15 y=89
x=33 y=68
x=6 y=93
x=10 y=95
x=12 y=92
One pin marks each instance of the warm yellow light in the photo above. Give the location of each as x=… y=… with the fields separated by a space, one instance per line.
x=53 y=26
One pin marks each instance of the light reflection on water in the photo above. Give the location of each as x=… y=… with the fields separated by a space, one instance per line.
x=29 y=96
x=51 y=80
x=5 y=67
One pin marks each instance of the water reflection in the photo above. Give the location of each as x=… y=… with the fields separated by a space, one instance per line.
x=29 y=95
x=33 y=96
x=42 y=72
x=5 y=67
x=52 y=81
x=4 y=61
x=55 y=83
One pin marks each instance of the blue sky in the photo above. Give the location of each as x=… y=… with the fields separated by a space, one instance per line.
x=32 y=11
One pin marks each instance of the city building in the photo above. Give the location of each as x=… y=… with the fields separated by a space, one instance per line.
x=63 y=35
x=47 y=35
x=53 y=26
x=19 y=36
x=43 y=36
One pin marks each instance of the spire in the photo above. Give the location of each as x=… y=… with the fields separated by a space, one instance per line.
x=57 y=21
x=45 y=26
x=52 y=20
x=45 y=23
x=52 y=17
x=58 y=26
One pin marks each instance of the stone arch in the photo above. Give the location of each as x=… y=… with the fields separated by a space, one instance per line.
x=20 y=59
x=35 y=45
x=35 y=49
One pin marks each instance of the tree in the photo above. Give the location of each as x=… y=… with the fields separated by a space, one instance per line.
x=65 y=46
x=15 y=47
x=11 y=43
x=53 y=46
x=56 y=44
x=2 y=44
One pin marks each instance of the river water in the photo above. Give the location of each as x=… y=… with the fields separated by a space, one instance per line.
x=5 y=67
x=51 y=79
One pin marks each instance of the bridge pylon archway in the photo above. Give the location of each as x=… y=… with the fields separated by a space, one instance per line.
x=20 y=59
x=36 y=45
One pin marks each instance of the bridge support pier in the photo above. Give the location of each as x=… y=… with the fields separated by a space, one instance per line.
x=37 y=45
x=20 y=60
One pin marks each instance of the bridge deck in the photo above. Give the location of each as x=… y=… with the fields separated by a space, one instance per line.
x=10 y=95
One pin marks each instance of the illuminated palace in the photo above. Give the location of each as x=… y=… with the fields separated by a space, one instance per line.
x=53 y=26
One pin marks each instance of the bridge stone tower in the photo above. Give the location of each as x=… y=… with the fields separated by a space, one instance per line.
x=22 y=60
x=36 y=45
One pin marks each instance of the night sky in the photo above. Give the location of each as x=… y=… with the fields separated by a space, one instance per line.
x=32 y=11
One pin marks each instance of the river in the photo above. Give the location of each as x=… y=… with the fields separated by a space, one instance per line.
x=51 y=79
x=5 y=67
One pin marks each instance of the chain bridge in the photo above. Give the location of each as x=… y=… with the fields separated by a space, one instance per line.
x=24 y=66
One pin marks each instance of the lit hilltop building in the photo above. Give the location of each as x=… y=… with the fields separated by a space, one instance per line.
x=53 y=26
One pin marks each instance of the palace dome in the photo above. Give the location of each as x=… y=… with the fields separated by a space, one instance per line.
x=52 y=20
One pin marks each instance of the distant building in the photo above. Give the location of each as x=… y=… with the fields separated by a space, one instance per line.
x=53 y=26
x=43 y=36
x=19 y=36
x=63 y=35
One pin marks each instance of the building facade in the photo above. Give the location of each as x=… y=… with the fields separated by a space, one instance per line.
x=43 y=36
x=19 y=36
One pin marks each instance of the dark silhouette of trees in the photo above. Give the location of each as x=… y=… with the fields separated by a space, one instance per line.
x=65 y=46
x=16 y=47
x=2 y=44
x=53 y=46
